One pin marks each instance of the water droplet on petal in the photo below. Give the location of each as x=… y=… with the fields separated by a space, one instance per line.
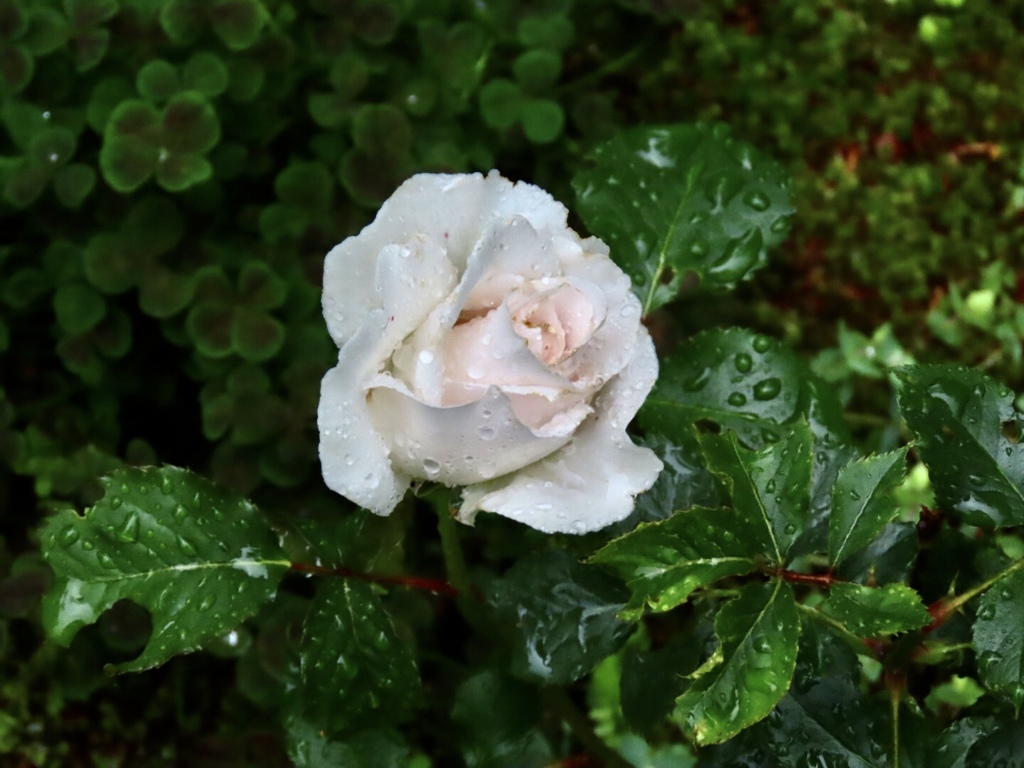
x=486 y=433
x=426 y=356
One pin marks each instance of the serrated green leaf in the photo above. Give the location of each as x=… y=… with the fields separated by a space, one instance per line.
x=876 y=611
x=563 y=615
x=770 y=488
x=759 y=632
x=651 y=681
x=355 y=670
x=664 y=562
x=957 y=416
x=200 y=558
x=862 y=504
x=998 y=639
x=682 y=198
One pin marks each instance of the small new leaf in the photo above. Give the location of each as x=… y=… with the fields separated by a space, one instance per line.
x=680 y=198
x=876 y=611
x=759 y=633
x=770 y=488
x=198 y=557
x=998 y=639
x=355 y=670
x=957 y=415
x=862 y=504
x=663 y=563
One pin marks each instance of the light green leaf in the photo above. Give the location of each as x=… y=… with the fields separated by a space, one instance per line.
x=998 y=640
x=862 y=504
x=680 y=198
x=957 y=415
x=355 y=670
x=769 y=488
x=759 y=633
x=876 y=611
x=664 y=562
x=199 y=557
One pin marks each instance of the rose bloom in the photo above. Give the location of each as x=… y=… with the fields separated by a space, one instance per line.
x=484 y=344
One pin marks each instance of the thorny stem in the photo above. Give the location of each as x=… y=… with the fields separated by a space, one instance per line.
x=794 y=577
x=942 y=609
x=558 y=700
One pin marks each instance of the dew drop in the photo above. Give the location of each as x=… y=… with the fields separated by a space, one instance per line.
x=768 y=389
x=737 y=399
x=426 y=356
x=69 y=536
x=105 y=560
x=88 y=546
x=486 y=339
x=698 y=382
x=762 y=344
x=757 y=200
x=349 y=461
x=207 y=602
x=116 y=502
x=987 y=612
x=180 y=513
x=167 y=485
x=486 y=433
x=186 y=547
x=431 y=467
x=129 y=530
x=743 y=362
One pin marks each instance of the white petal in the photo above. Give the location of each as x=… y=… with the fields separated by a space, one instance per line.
x=451 y=210
x=456 y=446
x=409 y=280
x=590 y=482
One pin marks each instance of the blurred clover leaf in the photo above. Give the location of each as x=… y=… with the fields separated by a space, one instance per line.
x=683 y=198
x=305 y=192
x=238 y=23
x=227 y=319
x=199 y=558
x=379 y=160
x=89 y=40
x=25 y=33
x=47 y=162
x=130 y=258
x=141 y=142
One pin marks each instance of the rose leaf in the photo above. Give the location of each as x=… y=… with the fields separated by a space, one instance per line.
x=998 y=640
x=769 y=488
x=664 y=562
x=562 y=616
x=758 y=632
x=198 y=557
x=355 y=670
x=958 y=417
x=309 y=747
x=862 y=504
x=876 y=611
x=681 y=198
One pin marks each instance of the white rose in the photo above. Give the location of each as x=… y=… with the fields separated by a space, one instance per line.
x=484 y=344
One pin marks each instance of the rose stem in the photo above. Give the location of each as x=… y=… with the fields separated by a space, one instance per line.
x=455 y=566
x=563 y=706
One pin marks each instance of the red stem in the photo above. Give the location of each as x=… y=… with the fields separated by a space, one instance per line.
x=819 y=579
x=437 y=586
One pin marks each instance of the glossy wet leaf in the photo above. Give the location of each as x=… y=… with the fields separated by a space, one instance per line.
x=769 y=488
x=200 y=558
x=674 y=199
x=758 y=632
x=876 y=611
x=355 y=669
x=310 y=747
x=950 y=749
x=742 y=381
x=663 y=563
x=562 y=616
x=862 y=503
x=998 y=640
x=957 y=416
x=498 y=718
x=683 y=483
x=825 y=720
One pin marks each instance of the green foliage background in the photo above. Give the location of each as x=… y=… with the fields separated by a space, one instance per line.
x=173 y=172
